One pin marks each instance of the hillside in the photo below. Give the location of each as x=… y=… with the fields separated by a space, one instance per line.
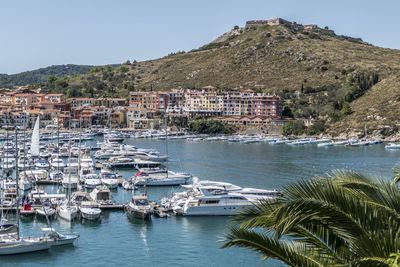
x=40 y=76
x=319 y=74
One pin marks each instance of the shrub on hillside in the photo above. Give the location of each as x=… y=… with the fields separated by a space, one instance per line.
x=294 y=128
x=210 y=127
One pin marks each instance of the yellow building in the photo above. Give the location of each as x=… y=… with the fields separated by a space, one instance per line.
x=7 y=98
x=118 y=119
x=209 y=101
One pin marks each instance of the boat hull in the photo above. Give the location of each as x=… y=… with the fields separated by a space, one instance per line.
x=67 y=240
x=161 y=182
x=89 y=215
x=24 y=247
x=68 y=214
x=223 y=210
x=139 y=214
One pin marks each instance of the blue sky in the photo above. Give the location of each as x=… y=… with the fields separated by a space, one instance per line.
x=40 y=33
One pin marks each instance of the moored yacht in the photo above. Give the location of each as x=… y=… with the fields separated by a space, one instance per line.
x=220 y=204
x=109 y=179
x=90 y=210
x=139 y=207
x=92 y=180
x=102 y=195
x=57 y=163
x=42 y=164
x=167 y=178
x=120 y=162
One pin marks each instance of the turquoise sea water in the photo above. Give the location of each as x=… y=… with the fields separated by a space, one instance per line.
x=193 y=241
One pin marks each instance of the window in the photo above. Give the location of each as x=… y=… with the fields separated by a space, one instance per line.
x=212 y=201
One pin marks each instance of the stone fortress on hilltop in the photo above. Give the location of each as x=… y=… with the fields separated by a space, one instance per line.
x=280 y=21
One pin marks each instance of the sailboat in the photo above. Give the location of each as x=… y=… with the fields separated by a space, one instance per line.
x=67 y=211
x=11 y=245
x=35 y=141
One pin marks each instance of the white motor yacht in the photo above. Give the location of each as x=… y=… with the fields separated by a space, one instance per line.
x=223 y=204
x=392 y=146
x=84 y=172
x=139 y=207
x=92 y=180
x=44 y=155
x=57 y=163
x=143 y=163
x=90 y=210
x=109 y=179
x=42 y=164
x=214 y=199
x=105 y=154
x=102 y=195
x=160 y=179
x=120 y=162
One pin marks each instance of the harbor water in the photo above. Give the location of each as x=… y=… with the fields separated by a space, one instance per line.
x=193 y=241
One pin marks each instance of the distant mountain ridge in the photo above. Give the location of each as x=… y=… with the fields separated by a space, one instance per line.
x=39 y=76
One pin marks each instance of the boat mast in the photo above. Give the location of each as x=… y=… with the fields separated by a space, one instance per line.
x=166 y=137
x=17 y=179
x=69 y=160
x=79 y=149
x=6 y=168
x=25 y=157
x=58 y=146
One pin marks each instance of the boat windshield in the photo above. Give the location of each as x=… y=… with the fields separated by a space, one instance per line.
x=141 y=202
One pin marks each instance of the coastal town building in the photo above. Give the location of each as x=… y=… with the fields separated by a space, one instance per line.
x=144 y=110
x=17 y=119
x=209 y=102
x=81 y=102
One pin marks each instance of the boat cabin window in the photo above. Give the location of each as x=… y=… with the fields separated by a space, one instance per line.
x=103 y=196
x=141 y=202
x=212 y=201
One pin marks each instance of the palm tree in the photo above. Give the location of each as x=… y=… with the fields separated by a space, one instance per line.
x=340 y=219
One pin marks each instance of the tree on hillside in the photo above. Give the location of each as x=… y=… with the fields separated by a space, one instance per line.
x=51 y=81
x=210 y=127
x=287 y=112
x=346 y=109
x=341 y=219
x=294 y=128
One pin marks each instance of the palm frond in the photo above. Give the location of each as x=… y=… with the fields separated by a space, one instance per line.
x=289 y=252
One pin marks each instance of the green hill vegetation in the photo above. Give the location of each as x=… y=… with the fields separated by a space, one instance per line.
x=41 y=75
x=331 y=78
